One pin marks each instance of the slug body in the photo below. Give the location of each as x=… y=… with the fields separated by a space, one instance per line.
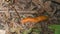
x=34 y=20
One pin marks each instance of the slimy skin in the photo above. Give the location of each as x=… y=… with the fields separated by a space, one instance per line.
x=34 y=20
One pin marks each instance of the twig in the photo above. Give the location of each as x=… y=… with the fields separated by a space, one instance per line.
x=53 y=11
x=16 y=11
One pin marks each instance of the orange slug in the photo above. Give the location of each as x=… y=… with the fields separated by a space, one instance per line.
x=34 y=20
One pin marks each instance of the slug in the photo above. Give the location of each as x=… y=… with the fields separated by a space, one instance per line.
x=34 y=20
